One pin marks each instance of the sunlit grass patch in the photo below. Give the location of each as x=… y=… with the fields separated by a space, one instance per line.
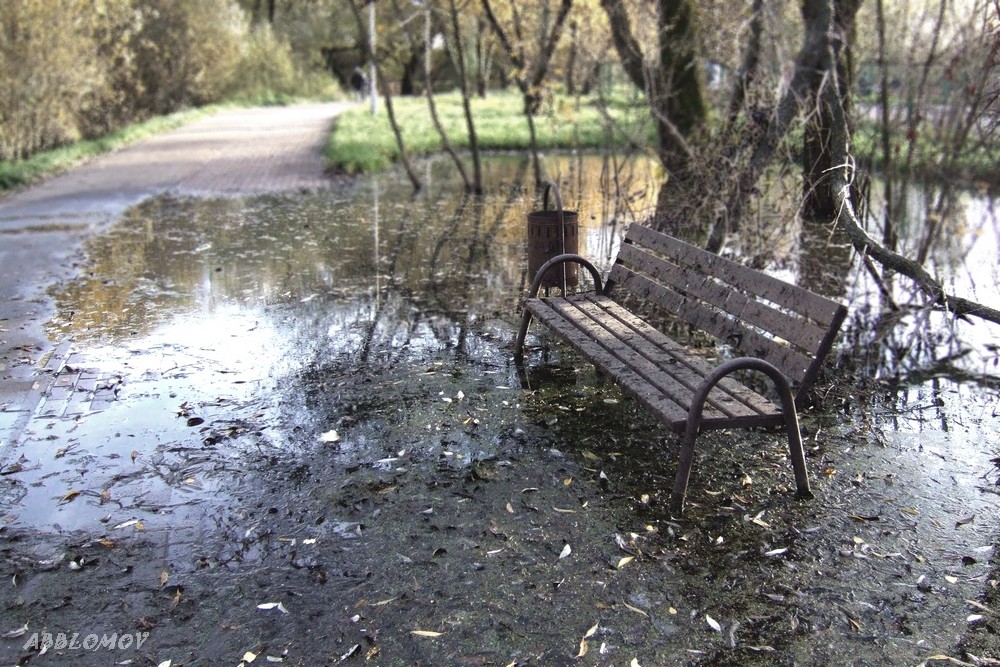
x=361 y=142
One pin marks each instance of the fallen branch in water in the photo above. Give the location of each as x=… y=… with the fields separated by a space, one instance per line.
x=842 y=175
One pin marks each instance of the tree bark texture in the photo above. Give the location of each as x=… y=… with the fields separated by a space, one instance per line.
x=673 y=83
x=819 y=203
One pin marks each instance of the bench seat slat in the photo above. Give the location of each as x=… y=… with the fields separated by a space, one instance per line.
x=671 y=378
x=667 y=409
x=630 y=356
x=698 y=367
x=743 y=339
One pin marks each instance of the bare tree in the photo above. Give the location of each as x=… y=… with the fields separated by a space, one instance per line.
x=531 y=65
x=477 y=169
x=404 y=155
x=672 y=82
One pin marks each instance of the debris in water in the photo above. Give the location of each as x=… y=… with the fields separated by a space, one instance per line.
x=712 y=623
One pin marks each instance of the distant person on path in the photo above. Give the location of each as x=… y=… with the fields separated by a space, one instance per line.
x=359 y=82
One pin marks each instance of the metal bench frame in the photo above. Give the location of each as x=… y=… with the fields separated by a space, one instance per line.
x=775 y=328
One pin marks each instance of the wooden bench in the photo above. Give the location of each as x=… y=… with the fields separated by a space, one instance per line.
x=773 y=327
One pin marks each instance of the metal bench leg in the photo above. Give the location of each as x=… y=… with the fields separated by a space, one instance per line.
x=684 y=467
x=521 y=335
x=693 y=425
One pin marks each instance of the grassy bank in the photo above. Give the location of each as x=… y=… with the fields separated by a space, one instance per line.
x=361 y=142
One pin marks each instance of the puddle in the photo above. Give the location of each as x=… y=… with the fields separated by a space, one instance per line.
x=311 y=399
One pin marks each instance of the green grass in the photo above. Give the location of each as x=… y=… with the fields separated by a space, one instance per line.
x=361 y=142
x=930 y=154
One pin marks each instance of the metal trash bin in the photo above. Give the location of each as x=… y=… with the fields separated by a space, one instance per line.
x=553 y=233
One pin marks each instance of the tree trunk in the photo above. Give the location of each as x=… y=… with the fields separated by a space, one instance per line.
x=818 y=15
x=673 y=87
x=819 y=202
x=570 y=81
x=404 y=155
x=477 y=169
x=532 y=74
x=751 y=62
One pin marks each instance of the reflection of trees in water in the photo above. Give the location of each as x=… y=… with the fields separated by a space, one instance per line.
x=898 y=330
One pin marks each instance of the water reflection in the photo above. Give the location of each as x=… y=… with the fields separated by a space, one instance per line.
x=377 y=262
x=899 y=333
x=369 y=269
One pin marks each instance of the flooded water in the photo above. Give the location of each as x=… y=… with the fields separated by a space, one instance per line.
x=315 y=392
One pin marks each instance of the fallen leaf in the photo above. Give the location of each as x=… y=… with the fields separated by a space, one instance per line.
x=164 y=578
x=426 y=633
x=566 y=550
x=249 y=657
x=583 y=648
x=15 y=633
x=624 y=561
x=126 y=524
x=964 y=521
x=636 y=609
x=979 y=605
x=70 y=496
x=972 y=618
x=712 y=623
x=634 y=663
x=273 y=605
x=591 y=631
x=165 y=663
x=329 y=436
x=776 y=552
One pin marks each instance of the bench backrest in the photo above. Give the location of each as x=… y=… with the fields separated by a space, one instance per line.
x=756 y=314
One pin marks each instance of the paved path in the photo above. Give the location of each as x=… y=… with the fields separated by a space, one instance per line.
x=42 y=229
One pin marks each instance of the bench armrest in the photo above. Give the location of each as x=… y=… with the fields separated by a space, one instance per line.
x=694 y=424
x=536 y=283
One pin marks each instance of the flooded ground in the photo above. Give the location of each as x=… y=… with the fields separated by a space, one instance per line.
x=289 y=429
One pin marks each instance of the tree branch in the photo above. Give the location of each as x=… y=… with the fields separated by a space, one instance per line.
x=842 y=176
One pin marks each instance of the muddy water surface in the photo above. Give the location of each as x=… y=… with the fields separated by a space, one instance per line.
x=310 y=400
